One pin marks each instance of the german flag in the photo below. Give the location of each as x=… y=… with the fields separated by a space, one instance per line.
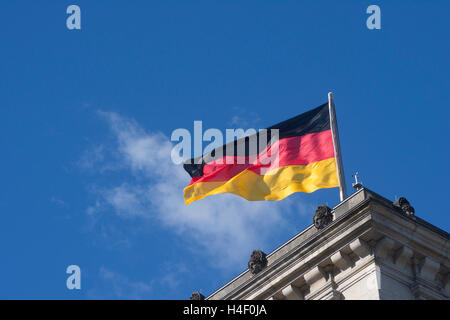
x=300 y=159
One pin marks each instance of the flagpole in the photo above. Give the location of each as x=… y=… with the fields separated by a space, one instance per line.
x=337 y=148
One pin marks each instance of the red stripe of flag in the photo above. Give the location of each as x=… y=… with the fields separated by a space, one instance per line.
x=299 y=150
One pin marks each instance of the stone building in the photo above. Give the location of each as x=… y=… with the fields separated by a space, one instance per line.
x=366 y=247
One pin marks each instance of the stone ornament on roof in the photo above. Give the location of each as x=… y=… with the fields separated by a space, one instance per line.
x=322 y=216
x=257 y=262
x=404 y=205
x=197 y=296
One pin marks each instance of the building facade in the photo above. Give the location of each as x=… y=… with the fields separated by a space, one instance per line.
x=367 y=247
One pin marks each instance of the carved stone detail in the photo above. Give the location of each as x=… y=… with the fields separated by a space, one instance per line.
x=341 y=260
x=360 y=248
x=278 y=296
x=404 y=205
x=429 y=269
x=314 y=275
x=291 y=292
x=257 y=262
x=322 y=216
x=447 y=283
x=197 y=296
x=383 y=248
x=403 y=256
x=336 y=295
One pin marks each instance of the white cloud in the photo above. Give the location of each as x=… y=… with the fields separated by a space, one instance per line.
x=226 y=227
x=59 y=202
x=111 y=284
x=118 y=286
x=243 y=118
x=91 y=157
x=126 y=200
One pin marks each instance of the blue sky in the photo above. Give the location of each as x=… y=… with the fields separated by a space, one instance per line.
x=86 y=115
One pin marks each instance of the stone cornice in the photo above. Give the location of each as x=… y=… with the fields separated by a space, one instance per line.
x=304 y=254
x=365 y=226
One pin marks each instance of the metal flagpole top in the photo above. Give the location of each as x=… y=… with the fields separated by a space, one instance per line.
x=357 y=184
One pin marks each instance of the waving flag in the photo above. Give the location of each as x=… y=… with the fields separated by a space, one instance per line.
x=302 y=159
